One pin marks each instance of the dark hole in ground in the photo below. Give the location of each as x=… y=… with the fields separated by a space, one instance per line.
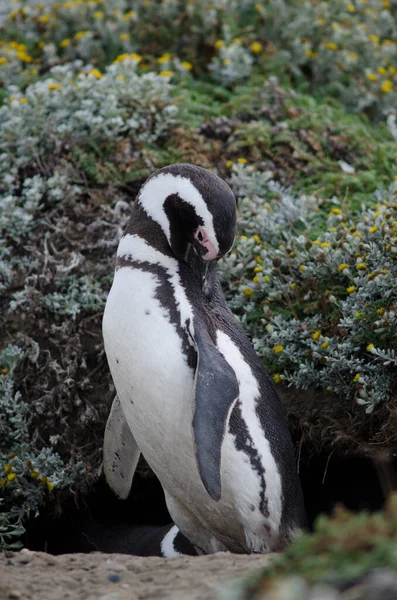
x=357 y=482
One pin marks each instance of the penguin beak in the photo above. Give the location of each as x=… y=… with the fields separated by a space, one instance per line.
x=205 y=247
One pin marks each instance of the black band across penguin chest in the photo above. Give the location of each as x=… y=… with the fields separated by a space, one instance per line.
x=165 y=294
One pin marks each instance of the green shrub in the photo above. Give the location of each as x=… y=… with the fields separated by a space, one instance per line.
x=315 y=285
x=27 y=475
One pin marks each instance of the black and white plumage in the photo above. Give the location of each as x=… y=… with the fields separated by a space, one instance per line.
x=165 y=541
x=193 y=396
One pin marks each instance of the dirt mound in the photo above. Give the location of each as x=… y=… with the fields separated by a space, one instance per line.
x=96 y=576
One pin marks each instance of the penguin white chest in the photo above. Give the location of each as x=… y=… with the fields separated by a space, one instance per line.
x=148 y=366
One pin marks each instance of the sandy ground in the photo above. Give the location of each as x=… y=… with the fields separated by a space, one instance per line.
x=38 y=576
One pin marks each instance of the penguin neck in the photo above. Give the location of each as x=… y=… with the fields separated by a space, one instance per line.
x=200 y=273
x=145 y=227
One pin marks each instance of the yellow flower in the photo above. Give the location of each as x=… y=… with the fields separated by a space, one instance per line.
x=65 y=43
x=4 y=371
x=381 y=70
x=361 y=266
x=310 y=53
x=334 y=211
x=95 y=73
x=351 y=289
x=351 y=8
x=3 y=60
x=11 y=476
x=373 y=229
x=387 y=86
x=243 y=237
x=187 y=65
x=120 y=77
x=266 y=278
x=278 y=349
x=358 y=315
x=44 y=18
x=294 y=286
x=219 y=44
x=229 y=164
x=256 y=47
x=324 y=345
x=330 y=45
x=166 y=73
x=258 y=269
x=128 y=15
x=164 y=58
x=370 y=347
x=357 y=234
x=79 y=35
x=50 y=486
x=242 y=161
x=381 y=311
x=124 y=37
x=276 y=378
x=392 y=70
x=302 y=267
x=316 y=335
x=356 y=377
x=98 y=14
x=256 y=239
x=320 y=21
x=248 y=292
x=342 y=267
x=372 y=77
x=316 y=243
x=7 y=468
x=135 y=56
x=54 y=86
x=386 y=4
x=325 y=245
x=227 y=61
x=374 y=38
x=353 y=56
x=259 y=260
x=34 y=474
x=255 y=279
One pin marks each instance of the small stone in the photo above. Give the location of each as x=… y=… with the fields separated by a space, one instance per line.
x=114 y=577
x=111 y=565
x=25 y=556
x=11 y=561
x=14 y=595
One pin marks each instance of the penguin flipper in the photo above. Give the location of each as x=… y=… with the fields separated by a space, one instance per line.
x=216 y=391
x=120 y=452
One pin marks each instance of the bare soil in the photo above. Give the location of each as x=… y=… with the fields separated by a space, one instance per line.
x=30 y=575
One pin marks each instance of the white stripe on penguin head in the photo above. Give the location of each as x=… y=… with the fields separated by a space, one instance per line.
x=155 y=191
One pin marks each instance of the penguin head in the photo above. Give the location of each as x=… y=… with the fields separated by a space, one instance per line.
x=195 y=209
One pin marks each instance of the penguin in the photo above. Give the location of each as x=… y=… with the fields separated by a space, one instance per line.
x=192 y=395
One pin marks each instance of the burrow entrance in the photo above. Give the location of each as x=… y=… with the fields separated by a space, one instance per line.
x=99 y=521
